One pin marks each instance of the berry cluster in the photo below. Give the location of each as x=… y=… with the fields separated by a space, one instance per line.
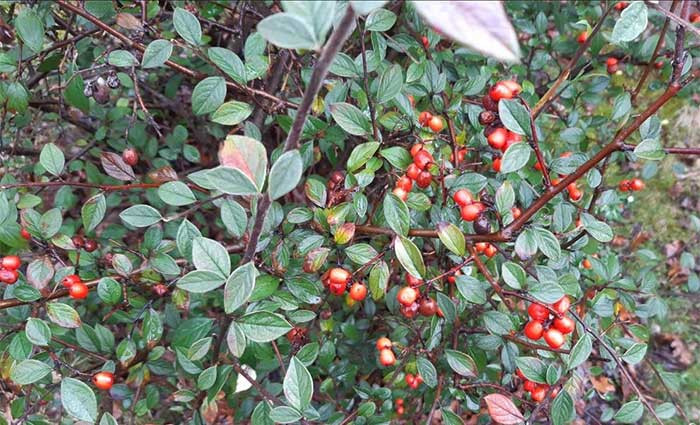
x=76 y=288
x=88 y=245
x=337 y=279
x=426 y=119
x=386 y=355
x=103 y=380
x=8 y=269
x=552 y=328
x=399 y=407
x=498 y=136
x=537 y=391
x=411 y=302
x=416 y=172
x=632 y=185
x=413 y=381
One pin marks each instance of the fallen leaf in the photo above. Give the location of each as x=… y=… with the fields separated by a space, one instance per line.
x=602 y=384
x=503 y=410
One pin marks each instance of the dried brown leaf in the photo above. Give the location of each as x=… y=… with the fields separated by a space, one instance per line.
x=503 y=410
x=129 y=21
x=115 y=166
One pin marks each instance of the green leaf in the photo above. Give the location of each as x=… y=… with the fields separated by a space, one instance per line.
x=239 y=287
x=232 y=113
x=63 y=315
x=526 y=244
x=427 y=371
x=390 y=84
x=210 y=255
x=515 y=117
x=378 y=280
x=449 y=418
x=52 y=159
x=515 y=157
x=122 y=58
x=284 y=415
x=396 y=214
x=533 y=368
x=461 y=363
x=30 y=29
x=187 y=26
x=380 y=20
x=397 y=156
x=633 y=355
x=650 y=149
x=208 y=95
x=109 y=290
x=29 y=371
x=351 y=119
x=263 y=326
x=234 y=217
x=288 y=32
x=452 y=237
x=176 y=193
x=360 y=253
x=471 y=289
x=200 y=281
x=547 y=243
x=285 y=174
x=409 y=256
x=37 y=331
x=632 y=21
x=228 y=62
x=298 y=385
x=361 y=154
x=140 y=215
x=78 y=400
x=17 y=97
x=505 y=198
x=580 y=351
x=50 y=223
x=513 y=275
x=497 y=323
x=157 y=52
x=622 y=106
x=207 y=378
x=562 y=409
x=235 y=340
x=598 y=230
x=247 y=155
x=630 y=412
x=93 y=211
x=231 y=181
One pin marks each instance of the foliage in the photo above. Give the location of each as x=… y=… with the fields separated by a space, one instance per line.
x=232 y=182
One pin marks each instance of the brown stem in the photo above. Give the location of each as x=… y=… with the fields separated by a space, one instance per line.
x=654 y=55
x=482 y=268
x=535 y=145
x=675 y=18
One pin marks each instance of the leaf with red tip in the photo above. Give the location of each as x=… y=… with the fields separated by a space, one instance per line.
x=480 y=25
x=247 y=155
x=503 y=410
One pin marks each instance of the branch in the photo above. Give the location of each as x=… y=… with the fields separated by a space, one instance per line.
x=675 y=18
x=535 y=145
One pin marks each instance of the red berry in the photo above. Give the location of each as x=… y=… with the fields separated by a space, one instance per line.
x=497 y=138
x=78 y=241
x=428 y=307
x=481 y=246
x=25 y=234
x=90 y=245
x=8 y=276
x=624 y=185
x=620 y=5
x=513 y=85
x=490 y=251
x=11 y=262
x=410 y=379
x=538 y=166
x=582 y=37
x=337 y=288
x=387 y=357
x=694 y=17
x=412 y=172
x=409 y=311
x=539 y=393
x=416 y=148
x=407 y=295
x=424 y=179
x=611 y=61
x=520 y=374
x=383 y=343
x=613 y=69
x=463 y=197
x=400 y=410
x=471 y=211
x=425 y=41
x=500 y=91
x=553 y=337
x=424 y=117
x=564 y=324
x=562 y=306
x=103 y=380
x=534 y=330
x=78 y=291
x=436 y=124
x=400 y=193
x=586 y=263
x=537 y=311
x=636 y=184
x=358 y=291
x=70 y=280
x=659 y=64
x=130 y=156
x=496 y=165
x=422 y=159
x=515 y=211
x=489 y=104
x=413 y=281
x=453 y=278
x=529 y=385
x=575 y=195
x=339 y=275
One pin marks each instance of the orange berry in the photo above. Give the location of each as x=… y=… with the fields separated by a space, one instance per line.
x=386 y=357
x=103 y=380
x=383 y=343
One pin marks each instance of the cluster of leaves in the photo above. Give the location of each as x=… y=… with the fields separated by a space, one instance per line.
x=259 y=168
